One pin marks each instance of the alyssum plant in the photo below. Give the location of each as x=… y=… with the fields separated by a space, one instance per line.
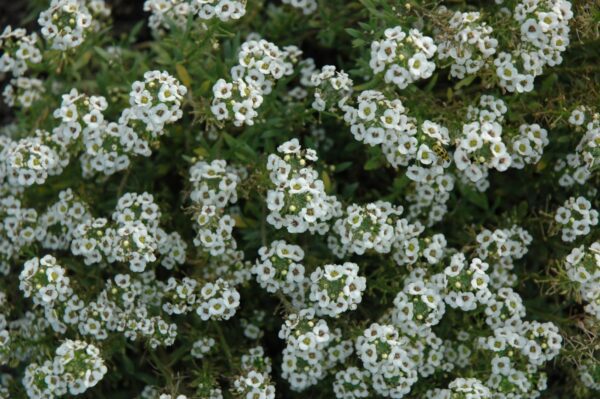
x=327 y=199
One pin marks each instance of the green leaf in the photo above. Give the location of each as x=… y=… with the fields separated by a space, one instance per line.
x=240 y=149
x=354 y=33
x=326 y=181
x=342 y=166
x=432 y=82
x=183 y=74
x=475 y=197
x=465 y=82
x=374 y=163
x=83 y=60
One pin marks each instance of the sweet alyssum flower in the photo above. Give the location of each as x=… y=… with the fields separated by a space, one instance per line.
x=336 y=288
x=19 y=49
x=576 y=217
x=164 y=13
x=65 y=23
x=583 y=268
x=280 y=267
x=76 y=367
x=298 y=200
x=403 y=58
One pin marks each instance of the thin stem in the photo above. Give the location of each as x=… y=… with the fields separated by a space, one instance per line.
x=224 y=344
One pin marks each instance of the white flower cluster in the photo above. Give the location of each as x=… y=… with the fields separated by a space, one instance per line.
x=583 y=268
x=410 y=249
x=520 y=351
x=503 y=243
x=220 y=301
x=298 y=200
x=5 y=339
x=65 y=23
x=576 y=217
x=403 y=58
x=237 y=100
x=306 y=356
x=214 y=186
x=214 y=230
x=179 y=297
x=213 y=183
x=255 y=380
x=21 y=92
x=528 y=145
x=577 y=167
x=573 y=170
x=332 y=88
x=167 y=12
x=431 y=353
x=500 y=248
x=279 y=267
x=351 y=383
x=467 y=283
x=31 y=327
x=100 y=11
x=430 y=195
x=230 y=266
x=505 y=307
x=461 y=388
x=156 y=101
x=339 y=349
x=468 y=45
x=255 y=358
x=104 y=146
x=77 y=114
x=590 y=375
x=45 y=281
x=544 y=28
x=90 y=241
x=307 y=6
x=260 y=65
x=387 y=355
x=379 y=121
x=76 y=367
x=419 y=305
x=589 y=145
x=80 y=118
x=108 y=149
x=253 y=326
x=18 y=51
x=482 y=147
x=126 y=306
x=29 y=161
x=17 y=230
x=33 y=159
x=376 y=117
x=202 y=347
x=133 y=237
x=335 y=289
x=172 y=249
x=364 y=228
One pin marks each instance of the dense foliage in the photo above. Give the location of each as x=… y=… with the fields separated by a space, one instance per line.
x=300 y=198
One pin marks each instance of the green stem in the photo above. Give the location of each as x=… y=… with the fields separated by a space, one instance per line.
x=224 y=344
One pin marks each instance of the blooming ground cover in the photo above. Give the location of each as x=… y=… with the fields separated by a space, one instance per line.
x=259 y=199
